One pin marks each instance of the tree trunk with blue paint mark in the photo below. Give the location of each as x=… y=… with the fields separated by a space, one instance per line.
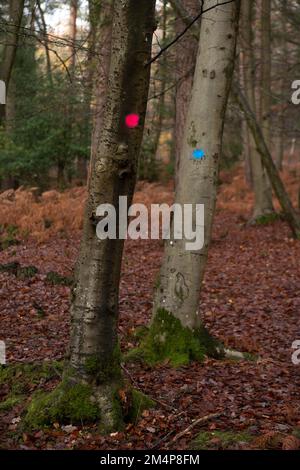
x=176 y=303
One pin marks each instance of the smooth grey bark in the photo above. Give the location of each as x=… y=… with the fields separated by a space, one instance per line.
x=182 y=271
x=115 y=151
x=277 y=184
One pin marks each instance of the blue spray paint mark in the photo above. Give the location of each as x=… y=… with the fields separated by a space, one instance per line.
x=198 y=154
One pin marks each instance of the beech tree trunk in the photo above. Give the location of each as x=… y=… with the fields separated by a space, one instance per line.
x=176 y=301
x=94 y=310
x=262 y=191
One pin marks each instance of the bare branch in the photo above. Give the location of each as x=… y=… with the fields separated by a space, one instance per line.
x=164 y=49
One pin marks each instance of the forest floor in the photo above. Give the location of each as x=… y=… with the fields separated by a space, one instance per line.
x=250 y=301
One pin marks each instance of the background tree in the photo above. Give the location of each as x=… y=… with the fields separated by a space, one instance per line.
x=12 y=31
x=15 y=13
x=263 y=195
x=185 y=54
x=37 y=142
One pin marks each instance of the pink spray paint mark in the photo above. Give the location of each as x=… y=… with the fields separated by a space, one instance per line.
x=132 y=120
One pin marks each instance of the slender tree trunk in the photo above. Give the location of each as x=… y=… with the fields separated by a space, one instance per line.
x=279 y=189
x=61 y=179
x=73 y=34
x=71 y=107
x=265 y=88
x=281 y=118
x=248 y=67
x=114 y=163
x=176 y=328
x=47 y=51
x=15 y=17
x=262 y=191
x=148 y=162
x=162 y=88
x=185 y=54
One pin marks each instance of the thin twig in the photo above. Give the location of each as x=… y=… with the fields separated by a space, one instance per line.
x=164 y=49
x=202 y=420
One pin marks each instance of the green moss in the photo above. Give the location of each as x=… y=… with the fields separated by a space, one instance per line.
x=157 y=282
x=117 y=415
x=27 y=272
x=139 y=403
x=220 y=439
x=54 y=279
x=18 y=380
x=104 y=371
x=11 y=268
x=92 y=365
x=9 y=403
x=18 y=271
x=71 y=402
x=267 y=218
x=67 y=403
x=140 y=332
x=167 y=339
x=9 y=238
x=40 y=311
x=296 y=433
x=250 y=357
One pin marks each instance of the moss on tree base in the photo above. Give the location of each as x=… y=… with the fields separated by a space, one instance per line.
x=67 y=403
x=167 y=339
x=110 y=405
